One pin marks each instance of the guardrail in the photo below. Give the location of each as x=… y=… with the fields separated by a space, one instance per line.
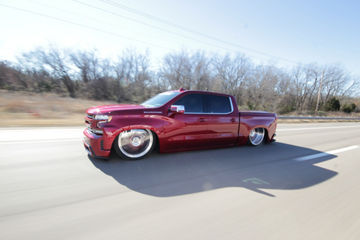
x=319 y=118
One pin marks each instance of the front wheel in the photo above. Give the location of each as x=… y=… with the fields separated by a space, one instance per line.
x=256 y=136
x=135 y=143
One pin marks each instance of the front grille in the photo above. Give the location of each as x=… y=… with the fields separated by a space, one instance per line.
x=87 y=124
x=90 y=124
x=95 y=131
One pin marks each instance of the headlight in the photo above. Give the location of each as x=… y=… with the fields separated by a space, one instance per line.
x=103 y=117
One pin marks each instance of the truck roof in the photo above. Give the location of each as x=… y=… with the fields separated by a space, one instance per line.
x=200 y=91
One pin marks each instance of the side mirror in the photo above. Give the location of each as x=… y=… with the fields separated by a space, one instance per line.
x=177 y=108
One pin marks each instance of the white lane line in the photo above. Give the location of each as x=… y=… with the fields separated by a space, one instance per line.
x=313 y=128
x=318 y=155
x=39 y=134
x=42 y=141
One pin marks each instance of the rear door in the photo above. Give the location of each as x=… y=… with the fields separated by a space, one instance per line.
x=221 y=119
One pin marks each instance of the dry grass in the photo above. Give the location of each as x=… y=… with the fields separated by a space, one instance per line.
x=320 y=114
x=29 y=109
x=324 y=114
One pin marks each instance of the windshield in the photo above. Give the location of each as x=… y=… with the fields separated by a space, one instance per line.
x=160 y=99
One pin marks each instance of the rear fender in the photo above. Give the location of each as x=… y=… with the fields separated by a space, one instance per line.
x=246 y=125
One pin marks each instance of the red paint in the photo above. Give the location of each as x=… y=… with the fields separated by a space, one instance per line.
x=176 y=131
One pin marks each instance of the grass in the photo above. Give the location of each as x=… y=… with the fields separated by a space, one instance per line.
x=319 y=114
x=30 y=109
x=323 y=114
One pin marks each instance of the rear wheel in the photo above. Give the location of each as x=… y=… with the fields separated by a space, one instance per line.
x=135 y=143
x=256 y=136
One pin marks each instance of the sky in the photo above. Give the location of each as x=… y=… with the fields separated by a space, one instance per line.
x=280 y=32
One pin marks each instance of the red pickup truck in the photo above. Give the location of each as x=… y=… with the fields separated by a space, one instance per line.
x=172 y=121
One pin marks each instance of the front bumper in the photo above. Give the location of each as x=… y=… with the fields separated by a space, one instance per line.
x=94 y=144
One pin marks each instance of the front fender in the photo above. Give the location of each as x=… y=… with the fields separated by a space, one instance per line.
x=155 y=123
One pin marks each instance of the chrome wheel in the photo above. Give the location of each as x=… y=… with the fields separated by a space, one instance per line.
x=135 y=143
x=256 y=136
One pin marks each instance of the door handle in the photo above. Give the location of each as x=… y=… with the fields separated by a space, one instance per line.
x=202 y=120
x=232 y=120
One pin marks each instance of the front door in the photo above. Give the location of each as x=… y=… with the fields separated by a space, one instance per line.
x=191 y=129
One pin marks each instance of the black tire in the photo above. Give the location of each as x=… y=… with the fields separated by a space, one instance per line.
x=135 y=144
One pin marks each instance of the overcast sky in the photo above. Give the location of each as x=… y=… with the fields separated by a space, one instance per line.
x=280 y=32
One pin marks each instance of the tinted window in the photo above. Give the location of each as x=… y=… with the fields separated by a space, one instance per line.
x=193 y=103
x=217 y=104
x=160 y=99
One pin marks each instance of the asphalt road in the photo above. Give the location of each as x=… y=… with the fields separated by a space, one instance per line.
x=306 y=185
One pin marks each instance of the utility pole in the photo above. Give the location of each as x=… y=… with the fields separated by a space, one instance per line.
x=319 y=93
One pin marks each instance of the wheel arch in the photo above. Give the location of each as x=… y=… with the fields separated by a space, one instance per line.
x=268 y=124
x=266 y=134
x=154 y=130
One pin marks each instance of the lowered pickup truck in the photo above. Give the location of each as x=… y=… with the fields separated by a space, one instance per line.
x=172 y=121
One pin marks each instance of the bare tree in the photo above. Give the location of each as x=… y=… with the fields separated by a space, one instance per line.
x=131 y=78
x=232 y=74
x=133 y=73
x=305 y=80
x=54 y=61
x=176 y=70
x=201 y=71
x=87 y=63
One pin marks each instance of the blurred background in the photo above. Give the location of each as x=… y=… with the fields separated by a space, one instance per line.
x=58 y=58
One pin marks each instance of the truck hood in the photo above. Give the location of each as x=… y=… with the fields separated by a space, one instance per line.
x=112 y=108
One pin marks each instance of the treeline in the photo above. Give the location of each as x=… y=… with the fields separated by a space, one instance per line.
x=132 y=78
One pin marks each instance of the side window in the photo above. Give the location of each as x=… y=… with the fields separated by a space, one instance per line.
x=193 y=103
x=217 y=104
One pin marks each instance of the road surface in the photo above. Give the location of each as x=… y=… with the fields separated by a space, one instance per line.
x=306 y=185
